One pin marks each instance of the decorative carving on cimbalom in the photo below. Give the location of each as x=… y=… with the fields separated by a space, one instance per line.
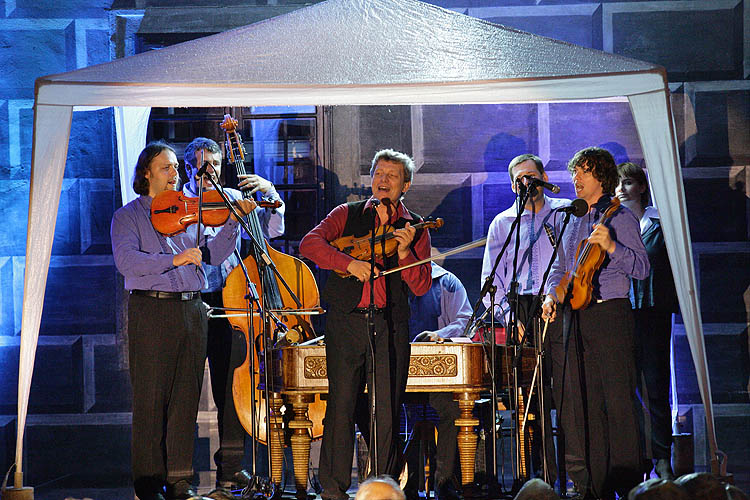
x=433 y=365
x=315 y=367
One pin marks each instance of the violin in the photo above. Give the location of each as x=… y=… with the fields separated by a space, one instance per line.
x=359 y=247
x=577 y=284
x=172 y=212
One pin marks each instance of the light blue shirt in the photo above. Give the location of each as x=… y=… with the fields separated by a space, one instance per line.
x=533 y=256
x=444 y=309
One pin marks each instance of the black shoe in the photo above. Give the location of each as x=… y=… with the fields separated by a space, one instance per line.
x=189 y=494
x=182 y=490
x=446 y=491
x=153 y=496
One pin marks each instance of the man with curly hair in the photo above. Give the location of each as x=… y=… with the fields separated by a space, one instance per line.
x=598 y=338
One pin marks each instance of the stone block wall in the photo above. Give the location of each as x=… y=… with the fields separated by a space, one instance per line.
x=79 y=403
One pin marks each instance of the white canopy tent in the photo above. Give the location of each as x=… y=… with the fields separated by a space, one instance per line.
x=359 y=52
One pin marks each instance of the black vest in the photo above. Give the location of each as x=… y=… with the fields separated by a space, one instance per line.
x=344 y=294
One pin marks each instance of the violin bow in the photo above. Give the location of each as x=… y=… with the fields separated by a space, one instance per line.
x=459 y=249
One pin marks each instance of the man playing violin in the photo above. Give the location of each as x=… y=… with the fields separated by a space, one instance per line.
x=166 y=326
x=538 y=236
x=600 y=362
x=348 y=354
x=229 y=473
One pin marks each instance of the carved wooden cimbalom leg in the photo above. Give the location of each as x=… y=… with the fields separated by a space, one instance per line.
x=276 y=438
x=300 y=426
x=522 y=437
x=467 y=437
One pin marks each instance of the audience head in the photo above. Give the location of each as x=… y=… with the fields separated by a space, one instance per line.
x=734 y=493
x=702 y=486
x=380 y=488
x=536 y=489
x=658 y=489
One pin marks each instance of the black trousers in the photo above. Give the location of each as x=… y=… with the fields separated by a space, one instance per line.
x=167 y=348
x=447 y=411
x=226 y=351
x=349 y=363
x=653 y=331
x=447 y=441
x=601 y=362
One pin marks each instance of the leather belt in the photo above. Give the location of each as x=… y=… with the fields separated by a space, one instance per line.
x=158 y=294
x=363 y=310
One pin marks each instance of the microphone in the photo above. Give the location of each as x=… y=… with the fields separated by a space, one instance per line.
x=375 y=202
x=202 y=171
x=577 y=207
x=533 y=181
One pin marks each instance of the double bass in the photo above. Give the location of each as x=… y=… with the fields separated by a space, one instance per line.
x=274 y=297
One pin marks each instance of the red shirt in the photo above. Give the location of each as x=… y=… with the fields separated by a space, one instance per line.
x=315 y=246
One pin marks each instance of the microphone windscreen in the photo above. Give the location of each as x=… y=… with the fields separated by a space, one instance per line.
x=580 y=207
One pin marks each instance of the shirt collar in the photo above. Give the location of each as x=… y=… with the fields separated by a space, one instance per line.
x=650 y=215
x=399 y=213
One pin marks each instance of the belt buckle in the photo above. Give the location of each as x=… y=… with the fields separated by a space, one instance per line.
x=186 y=296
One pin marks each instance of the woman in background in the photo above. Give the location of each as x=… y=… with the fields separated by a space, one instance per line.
x=654 y=300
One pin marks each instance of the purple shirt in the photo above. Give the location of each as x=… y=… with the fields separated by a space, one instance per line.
x=629 y=259
x=533 y=256
x=144 y=257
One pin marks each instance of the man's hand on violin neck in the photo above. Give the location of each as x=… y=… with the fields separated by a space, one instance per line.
x=253 y=183
x=189 y=256
x=244 y=207
x=360 y=270
x=404 y=237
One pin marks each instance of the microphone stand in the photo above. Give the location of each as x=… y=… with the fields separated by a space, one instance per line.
x=489 y=287
x=264 y=262
x=533 y=314
x=511 y=332
x=371 y=336
x=256 y=484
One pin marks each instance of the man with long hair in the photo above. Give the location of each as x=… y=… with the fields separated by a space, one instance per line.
x=166 y=326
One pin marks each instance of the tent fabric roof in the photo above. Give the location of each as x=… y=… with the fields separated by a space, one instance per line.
x=361 y=42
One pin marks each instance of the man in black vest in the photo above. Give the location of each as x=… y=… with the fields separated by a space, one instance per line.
x=348 y=352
